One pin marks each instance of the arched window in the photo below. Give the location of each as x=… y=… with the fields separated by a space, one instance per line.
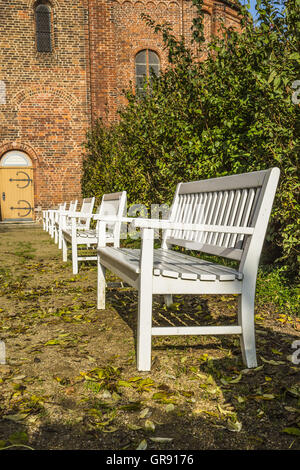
x=15 y=158
x=43 y=27
x=146 y=63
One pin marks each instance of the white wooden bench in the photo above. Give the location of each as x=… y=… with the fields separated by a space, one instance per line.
x=80 y=220
x=62 y=220
x=227 y=217
x=113 y=204
x=50 y=217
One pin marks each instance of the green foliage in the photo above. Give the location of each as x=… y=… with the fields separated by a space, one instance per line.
x=272 y=286
x=230 y=113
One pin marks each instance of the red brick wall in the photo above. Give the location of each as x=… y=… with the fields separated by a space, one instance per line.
x=51 y=98
x=118 y=32
x=47 y=106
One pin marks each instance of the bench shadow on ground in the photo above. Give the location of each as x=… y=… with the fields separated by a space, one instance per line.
x=194 y=311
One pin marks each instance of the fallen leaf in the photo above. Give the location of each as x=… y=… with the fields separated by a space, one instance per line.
x=149 y=425
x=161 y=439
x=170 y=407
x=241 y=399
x=134 y=427
x=16 y=418
x=291 y=409
x=268 y=396
x=236 y=380
x=272 y=362
x=142 y=445
x=294 y=390
x=292 y=431
x=234 y=426
x=222 y=411
x=110 y=429
x=144 y=413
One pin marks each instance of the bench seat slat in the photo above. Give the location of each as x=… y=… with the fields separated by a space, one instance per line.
x=165 y=269
x=223 y=273
x=168 y=263
x=86 y=236
x=170 y=267
x=184 y=268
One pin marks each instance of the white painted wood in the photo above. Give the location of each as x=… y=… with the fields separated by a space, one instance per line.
x=52 y=215
x=62 y=221
x=168 y=300
x=184 y=226
x=145 y=302
x=166 y=285
x=196 y=330
x=244 y=180
x=74 y=246
x=225 y=216
x=70 y=223
x=231 y=253
x=64 y=249
x=80 y=234
x=246 y=215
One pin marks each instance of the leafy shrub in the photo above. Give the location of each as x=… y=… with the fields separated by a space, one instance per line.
x=230 y=113
x=272 y=288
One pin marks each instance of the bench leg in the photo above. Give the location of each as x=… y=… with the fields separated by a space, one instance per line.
x=145 y=302
x=246 y=320
x=100 y=285
x=74 y=256
x=59 y=239
x=168 y=299
x=64 y=249
x=144 y=330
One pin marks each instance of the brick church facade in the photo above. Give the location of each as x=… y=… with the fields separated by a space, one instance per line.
x=57 y=77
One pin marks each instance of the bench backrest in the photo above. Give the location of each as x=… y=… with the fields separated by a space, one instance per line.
x=113 y=204
x=87 y=207
x=73 y=206
x=243 y=200
x=61 y=207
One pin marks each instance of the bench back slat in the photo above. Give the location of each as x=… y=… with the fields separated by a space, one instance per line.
x=113 y=204
x=73 y=206
x=87 y=207
x=233 y=201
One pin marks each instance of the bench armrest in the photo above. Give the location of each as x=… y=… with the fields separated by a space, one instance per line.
x=78 y=215
x=64 y=212
x=112 y=218
x=166 y=224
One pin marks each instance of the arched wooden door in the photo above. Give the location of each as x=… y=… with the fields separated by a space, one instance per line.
x=16 y=187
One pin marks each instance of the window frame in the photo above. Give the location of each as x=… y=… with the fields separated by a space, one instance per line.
x=39 y=32
x=146 y=63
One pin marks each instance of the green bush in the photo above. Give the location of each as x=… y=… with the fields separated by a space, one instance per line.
x=231 y=113
x=272 y=288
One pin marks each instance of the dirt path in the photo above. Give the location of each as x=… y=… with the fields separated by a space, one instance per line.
x=70 y=380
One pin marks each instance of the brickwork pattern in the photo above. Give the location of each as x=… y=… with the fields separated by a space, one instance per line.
x=47 y=107
x=52 y=98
